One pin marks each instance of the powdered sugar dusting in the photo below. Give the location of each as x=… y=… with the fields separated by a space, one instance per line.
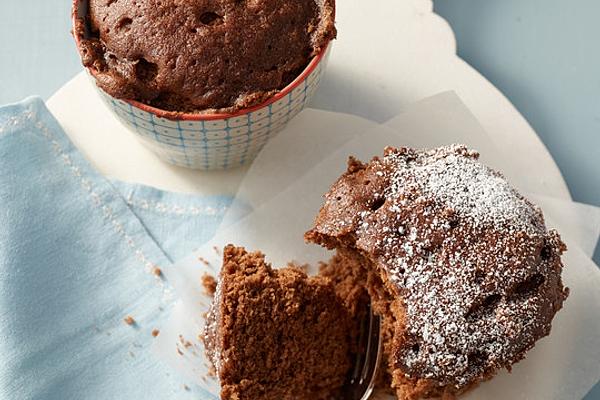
x=453 y=176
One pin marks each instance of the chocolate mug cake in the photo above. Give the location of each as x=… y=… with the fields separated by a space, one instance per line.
x=200 y=56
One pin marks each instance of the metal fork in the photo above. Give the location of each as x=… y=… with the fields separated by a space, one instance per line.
x=361 y=383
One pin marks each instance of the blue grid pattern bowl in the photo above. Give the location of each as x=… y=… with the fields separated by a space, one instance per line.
x=209 y=142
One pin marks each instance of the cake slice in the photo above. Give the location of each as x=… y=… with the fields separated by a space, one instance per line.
x=458 y=264
x=278 y=334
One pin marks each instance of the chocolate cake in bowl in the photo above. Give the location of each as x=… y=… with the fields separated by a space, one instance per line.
x=223 y=74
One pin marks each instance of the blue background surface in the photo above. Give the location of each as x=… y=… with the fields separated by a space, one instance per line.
x=542 y=54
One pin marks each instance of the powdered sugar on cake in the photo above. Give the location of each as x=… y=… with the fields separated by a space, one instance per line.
x=477 y=272
x=453 y=176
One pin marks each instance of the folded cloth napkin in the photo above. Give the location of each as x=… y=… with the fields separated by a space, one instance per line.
x=78 y=254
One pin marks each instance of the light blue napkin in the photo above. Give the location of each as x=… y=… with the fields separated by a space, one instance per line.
x=76 y=257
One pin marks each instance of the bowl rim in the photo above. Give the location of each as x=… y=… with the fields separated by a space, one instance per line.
x=186 y=116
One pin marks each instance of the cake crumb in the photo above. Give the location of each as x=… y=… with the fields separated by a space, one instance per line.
x=203 y=261
x=186 y=388
x=210 y=284
x=179 y=351
x=157 y=272
x=186 y=343
x=217 y=250
x=155 y=332
x=129 y=320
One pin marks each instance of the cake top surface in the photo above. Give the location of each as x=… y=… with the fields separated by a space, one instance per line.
x=472 y=260
x=452 y=176
x=202 y=55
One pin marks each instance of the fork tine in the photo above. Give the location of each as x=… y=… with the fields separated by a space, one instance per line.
x=372 y=356
x=363 y=339
x=364 y=374
x=373 y=348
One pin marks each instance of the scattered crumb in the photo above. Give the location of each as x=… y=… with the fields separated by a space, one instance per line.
x=210 y=284
x=179 y=351
x=217 y=250
x=186 y=343
x=131 y=354
x=203 y=261
x=186 y=388
x=155 y=332
x=157 y=272
x=129 y=320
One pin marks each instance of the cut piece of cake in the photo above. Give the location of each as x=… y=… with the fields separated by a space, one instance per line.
x=278 y=334
x=458 y=264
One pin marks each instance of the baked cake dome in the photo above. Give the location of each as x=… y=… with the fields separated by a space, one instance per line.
x=200 y=55
x=460 y=266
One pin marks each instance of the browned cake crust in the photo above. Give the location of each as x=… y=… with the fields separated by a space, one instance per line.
x=277 y=334
x=460 y=266
x=202 y=55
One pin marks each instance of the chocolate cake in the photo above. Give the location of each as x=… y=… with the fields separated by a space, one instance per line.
x=279 y=334
x=458 y=264
x=197 y=56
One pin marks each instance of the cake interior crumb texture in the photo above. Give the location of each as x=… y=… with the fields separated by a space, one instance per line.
x=458 y=264
x=278 y=334
x=201 y=56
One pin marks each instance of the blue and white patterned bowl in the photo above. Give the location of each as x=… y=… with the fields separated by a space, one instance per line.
x=210 y=141
x=217 y=141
